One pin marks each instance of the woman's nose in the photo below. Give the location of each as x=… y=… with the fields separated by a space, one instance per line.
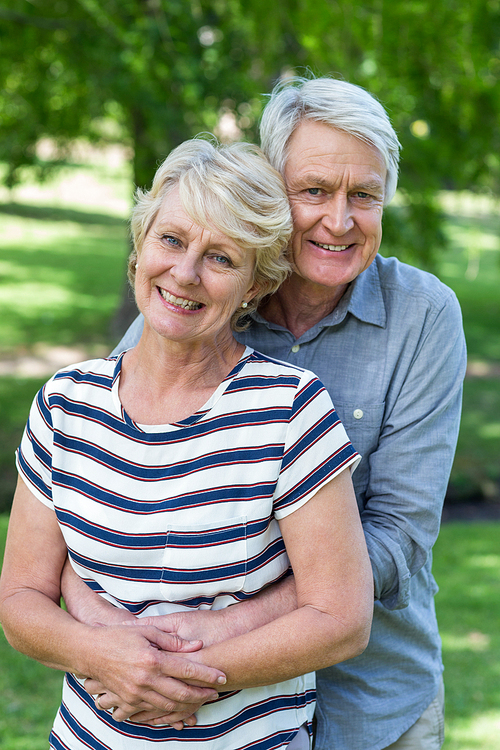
x=185 y=270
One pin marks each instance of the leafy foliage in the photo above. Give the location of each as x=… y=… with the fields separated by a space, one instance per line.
x=152 y=73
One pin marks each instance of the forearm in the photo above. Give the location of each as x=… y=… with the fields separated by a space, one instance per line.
x=302 y=641
x=85 y=605
x=221 y=625
x=268 y=605
x=36 y=626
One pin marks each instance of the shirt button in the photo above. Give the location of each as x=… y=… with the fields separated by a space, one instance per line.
x=295 y=348
x=358 y=414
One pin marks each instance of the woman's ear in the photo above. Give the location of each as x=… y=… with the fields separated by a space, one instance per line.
x=250 y=294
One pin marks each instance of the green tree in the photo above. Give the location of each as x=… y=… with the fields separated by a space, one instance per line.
x=161 y=70
x=435 y=65
x=167 y=69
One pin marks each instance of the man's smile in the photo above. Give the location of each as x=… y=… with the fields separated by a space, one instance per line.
x=331 y=248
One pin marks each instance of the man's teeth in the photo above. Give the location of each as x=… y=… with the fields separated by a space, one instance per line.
x=180 y=301
x=332 y=248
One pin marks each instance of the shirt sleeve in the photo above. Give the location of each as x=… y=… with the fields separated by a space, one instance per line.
x=410 y=469
x=316 y=450
x=34 y=455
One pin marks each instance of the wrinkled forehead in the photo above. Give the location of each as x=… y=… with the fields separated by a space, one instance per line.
x=326 y=155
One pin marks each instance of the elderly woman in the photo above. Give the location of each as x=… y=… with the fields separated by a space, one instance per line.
x=190 y=472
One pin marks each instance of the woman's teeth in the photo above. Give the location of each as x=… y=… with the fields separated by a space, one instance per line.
x=180 y=301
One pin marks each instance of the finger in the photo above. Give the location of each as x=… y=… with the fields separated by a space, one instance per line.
x=93 y=686
x=169 y=641
x=153 y=719
x=191 y=671
x=124 y=712
x=179 y=693
x=109 y=700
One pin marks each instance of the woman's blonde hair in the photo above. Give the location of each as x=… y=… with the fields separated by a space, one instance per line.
x=233 y=189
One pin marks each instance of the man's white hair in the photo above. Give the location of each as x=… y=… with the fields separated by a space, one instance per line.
x=337 y=103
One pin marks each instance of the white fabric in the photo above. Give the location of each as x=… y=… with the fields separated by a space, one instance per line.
x=162 y=518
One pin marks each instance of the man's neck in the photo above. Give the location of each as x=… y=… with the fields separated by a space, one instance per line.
x=298 y=305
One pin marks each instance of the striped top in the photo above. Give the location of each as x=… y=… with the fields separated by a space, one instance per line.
x=161 y=518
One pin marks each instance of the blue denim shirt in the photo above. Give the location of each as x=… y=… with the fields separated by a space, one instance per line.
x=392 y=355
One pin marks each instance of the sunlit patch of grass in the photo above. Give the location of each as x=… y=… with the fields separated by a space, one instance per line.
x=60 y=282
x=479 y=733
x=467 y=569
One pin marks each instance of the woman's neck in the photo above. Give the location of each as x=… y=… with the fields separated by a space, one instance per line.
x=163 y=382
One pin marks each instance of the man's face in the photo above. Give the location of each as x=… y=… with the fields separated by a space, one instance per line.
x=336 y=184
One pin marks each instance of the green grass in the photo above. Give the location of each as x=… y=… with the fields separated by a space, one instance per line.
x=60 y=277
x=467 y=569
x=63 y=249
x=471 y=267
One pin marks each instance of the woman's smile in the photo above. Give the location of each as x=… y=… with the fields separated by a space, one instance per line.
x=179 y=302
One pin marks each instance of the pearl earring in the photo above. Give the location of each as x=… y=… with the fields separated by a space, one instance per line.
x=244 y=305
x=136 y=266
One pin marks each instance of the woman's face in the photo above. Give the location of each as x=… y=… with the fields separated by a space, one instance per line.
x=190 y=280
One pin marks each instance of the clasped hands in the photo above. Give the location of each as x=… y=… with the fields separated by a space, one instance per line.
x=152 y=675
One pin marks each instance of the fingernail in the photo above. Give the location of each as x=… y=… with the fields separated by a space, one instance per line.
x=221 y=680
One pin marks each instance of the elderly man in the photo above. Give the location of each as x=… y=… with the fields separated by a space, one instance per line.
x=386 y=339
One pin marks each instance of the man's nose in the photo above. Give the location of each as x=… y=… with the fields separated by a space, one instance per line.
x=338 y=217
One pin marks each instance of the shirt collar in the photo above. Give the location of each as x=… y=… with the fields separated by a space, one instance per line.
x=363 y=299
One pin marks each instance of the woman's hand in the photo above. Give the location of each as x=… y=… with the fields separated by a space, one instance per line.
x=143 y=714
x=147 y=670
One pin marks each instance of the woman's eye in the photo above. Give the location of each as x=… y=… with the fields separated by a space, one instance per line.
x=222 y=259
x=171 y=240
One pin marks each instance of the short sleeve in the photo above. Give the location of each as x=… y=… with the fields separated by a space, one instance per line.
x=34 y=455
x=316 y=450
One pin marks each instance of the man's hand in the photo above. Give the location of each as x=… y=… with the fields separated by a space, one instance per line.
x=206 y=625
x=215 y=626
x=85 y=605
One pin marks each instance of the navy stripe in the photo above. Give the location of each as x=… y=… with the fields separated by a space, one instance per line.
x=170 y=468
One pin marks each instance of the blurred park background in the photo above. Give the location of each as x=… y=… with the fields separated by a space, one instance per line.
x=94 y=93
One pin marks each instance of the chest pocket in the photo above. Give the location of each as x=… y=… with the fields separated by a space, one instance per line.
x=363 y=424
x=204 y=560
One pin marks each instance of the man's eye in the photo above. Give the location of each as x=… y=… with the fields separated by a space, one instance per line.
x=314 y=191
x=361 y=194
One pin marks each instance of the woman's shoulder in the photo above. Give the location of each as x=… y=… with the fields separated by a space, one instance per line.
x=259 y=363
x=99 y=372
